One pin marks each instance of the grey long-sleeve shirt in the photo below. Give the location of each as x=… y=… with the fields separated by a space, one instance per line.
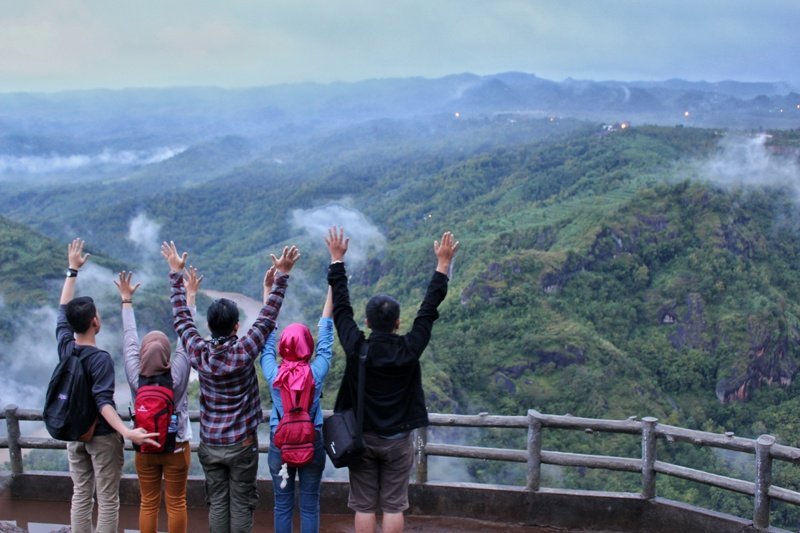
x=179 y=368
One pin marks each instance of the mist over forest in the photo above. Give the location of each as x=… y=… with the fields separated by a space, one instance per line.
x=628 y=248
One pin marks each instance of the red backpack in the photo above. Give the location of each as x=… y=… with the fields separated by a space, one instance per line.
x=294 y=436
x=153 y=409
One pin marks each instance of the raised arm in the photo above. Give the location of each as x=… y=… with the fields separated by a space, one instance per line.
x=183 y=321
x=322 y=362
x=327 y=307
x=175 y=260
x=130 y=337
x=349 y=334
x=75 y=260
x=275 y=281
x=180 y=362
x=65 y=337
x=337 y=244
x=192 y=281
x=419 y=335
x=269 y=362
x=269 y=281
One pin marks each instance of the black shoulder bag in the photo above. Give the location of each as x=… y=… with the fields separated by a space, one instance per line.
x=342 y=430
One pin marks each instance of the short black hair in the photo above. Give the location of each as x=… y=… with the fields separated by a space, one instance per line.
x=80 y=313
x=382 y=313
x=222 y=317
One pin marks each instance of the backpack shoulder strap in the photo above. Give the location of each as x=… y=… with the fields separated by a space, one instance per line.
x=362 y=362
x=83 y=354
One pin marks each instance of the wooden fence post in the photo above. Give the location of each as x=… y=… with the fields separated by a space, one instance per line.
x=649 y=457
x=763 y=481
x=534 y=450
x=422 y=457
x=12 y=427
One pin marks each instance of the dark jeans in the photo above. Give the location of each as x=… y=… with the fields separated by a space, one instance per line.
x=231 y=489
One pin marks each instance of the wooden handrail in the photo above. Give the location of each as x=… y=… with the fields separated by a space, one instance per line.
x=764 y=449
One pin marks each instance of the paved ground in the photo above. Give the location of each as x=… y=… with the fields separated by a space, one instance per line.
x=47 y=517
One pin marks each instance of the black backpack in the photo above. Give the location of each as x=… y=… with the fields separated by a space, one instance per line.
x=70 y=412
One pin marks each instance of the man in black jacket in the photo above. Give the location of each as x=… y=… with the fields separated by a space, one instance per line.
x=394 y=402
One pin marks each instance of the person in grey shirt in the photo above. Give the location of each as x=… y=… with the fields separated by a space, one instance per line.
x=151 y=359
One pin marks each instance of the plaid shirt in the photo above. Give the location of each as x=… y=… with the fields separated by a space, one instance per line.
x=230 y=408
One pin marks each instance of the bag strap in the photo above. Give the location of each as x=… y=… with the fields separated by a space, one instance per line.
x=83 y=354
x=362 y=361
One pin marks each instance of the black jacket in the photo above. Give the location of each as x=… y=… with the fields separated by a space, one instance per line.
x=393 y=397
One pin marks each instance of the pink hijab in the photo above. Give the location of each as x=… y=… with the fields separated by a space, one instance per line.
x=295 y=347
x=154 y=354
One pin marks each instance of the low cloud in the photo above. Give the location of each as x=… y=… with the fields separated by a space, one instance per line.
x=143 y=232
x=749 y=161
x=28 y=359
x=365 y=237
x=43 y=164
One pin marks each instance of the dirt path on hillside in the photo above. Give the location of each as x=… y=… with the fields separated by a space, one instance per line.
x=248 y=307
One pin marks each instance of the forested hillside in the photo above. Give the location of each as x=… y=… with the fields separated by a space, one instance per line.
x=593 y=261
x=604 y=272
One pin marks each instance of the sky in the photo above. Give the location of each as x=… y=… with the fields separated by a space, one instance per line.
x=52 y=45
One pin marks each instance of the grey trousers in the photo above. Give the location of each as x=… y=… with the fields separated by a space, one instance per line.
x=95 y=466
x=231 y=489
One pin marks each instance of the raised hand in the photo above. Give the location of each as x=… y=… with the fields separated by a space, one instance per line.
x=192 y=283
x=287 y=260
x=445 y=251
x=124 y=286
x=269 y=280
x=75 y=255
x=337 y=243
x=175 y=261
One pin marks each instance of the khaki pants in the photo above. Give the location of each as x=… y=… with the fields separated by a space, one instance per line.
x=95 y=466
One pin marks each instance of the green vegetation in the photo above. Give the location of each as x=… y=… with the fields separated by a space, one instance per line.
x=599 y=274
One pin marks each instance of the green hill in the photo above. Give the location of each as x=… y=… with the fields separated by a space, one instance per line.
x=602 y=273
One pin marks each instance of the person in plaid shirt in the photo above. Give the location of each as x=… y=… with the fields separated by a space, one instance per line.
x=230 y=409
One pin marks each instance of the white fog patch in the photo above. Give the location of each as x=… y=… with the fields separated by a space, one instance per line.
x=143 y=233
x=364 y=235
x=97 y=282
x=747 y=161
x=28 y=360
x=41 y=164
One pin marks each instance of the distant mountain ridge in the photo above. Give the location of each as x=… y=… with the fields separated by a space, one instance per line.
x=140 y=118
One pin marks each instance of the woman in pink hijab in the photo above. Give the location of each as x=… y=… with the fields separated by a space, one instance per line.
x=298 y=371
x=151 y=359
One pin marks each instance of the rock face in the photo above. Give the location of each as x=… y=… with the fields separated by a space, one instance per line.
x=570 y=355
x=769 y=364
x=692 y=269
x=489 y=287
x=691 y=329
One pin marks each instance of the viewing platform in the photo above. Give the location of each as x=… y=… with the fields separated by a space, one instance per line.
x=38 y=500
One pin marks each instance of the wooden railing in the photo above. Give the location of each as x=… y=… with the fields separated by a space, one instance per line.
x=764 y=450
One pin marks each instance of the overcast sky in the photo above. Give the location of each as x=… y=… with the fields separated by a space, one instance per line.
x=50 y=45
